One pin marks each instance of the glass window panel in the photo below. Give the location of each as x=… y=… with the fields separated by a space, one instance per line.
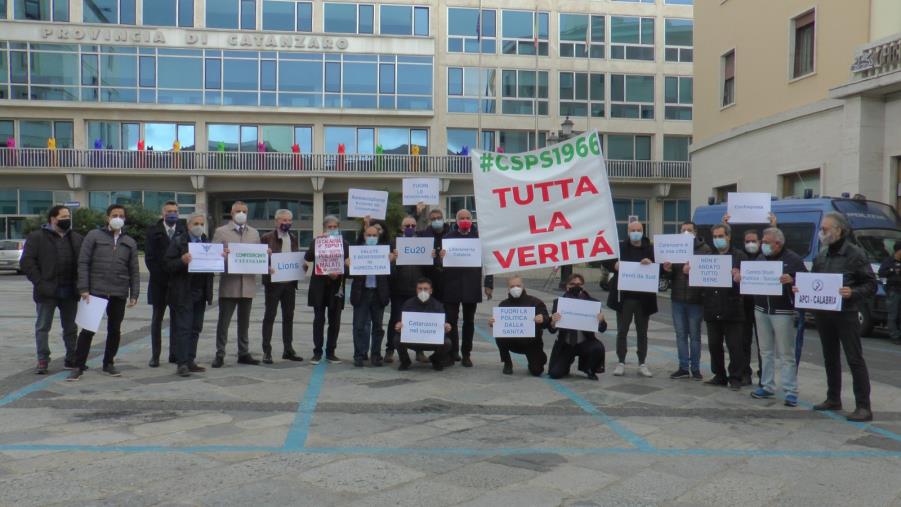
x=686 y=92
x=366 y=141
x=640 y=88
x=421 y=21
x=213 y=73
x=671 y=90
x=360 y=77
x=340 y=18
x=675 y=148
x=147 y=70
x=642 y=147
x=517 y=24
x=463 y=22
x=420 y=137
x=131 y=133
x=278 y=15
x=458 y=138
x=186 y=137
x=455 y=81
x=278 y=137
x=396 y=20
x=333 y=77
x=527 y=83
x=222 y=14
x=621 y=147
x=566 y=86
x=414 y=79
x=386 y=78
x=225 y=135
x=679 y=32
x=160 y=136
x=249 y=138
x=303 y=136
x=186 y=13
x=240 y=74
x=154 y=200
x=267 y=75
x=340 y=135
x=118 y=70
x=127 y=12
x=394 y=140
x=300 y=76
x=581 y=86
x=597 y=87
x=100 y=11
x=647 y=30
x=54 y=68
x=98 y=200
x=61 y=10
x=64 y=131
x=597 y=29
x=367 y=15
x=18 y=61
x=9 y=202
x=7 y=130
x=304 y=17
x=574 y=27
x=181 y=73
x=34 y=133
x=617 y=87
x=624 y=29
x=108 y=132
x=248 y=14
x=35 y=202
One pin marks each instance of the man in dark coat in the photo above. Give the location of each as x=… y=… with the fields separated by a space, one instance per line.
x=156 y=245
x=424 y=302
x=281 y=240
x=532 y=348
x=572 y=343
x=890 y=269
x=50 y=262
x=631 y=305
x=403 y=286
x=189 y=294
x=463 y=288
x=369 y=295
x=326 y=297
x=437 y=228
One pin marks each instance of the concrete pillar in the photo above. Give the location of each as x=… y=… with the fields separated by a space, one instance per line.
x=863 y=140
x=318 y=211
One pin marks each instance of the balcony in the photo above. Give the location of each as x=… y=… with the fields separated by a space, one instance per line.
x=64 y=161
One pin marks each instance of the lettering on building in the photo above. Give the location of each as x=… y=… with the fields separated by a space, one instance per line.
x=878 y=59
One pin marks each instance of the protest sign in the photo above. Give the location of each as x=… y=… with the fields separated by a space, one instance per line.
x=421 y=190
x=329 y=253
x=638 y=277
x=462 y=253
x=578 y=314
x=206 y=258
x=288 y=267
x=370 y=260
x=514 y=322
x=761 y=278
x=748 y=207
x=248 y=259
x=423 y=328
x=415 y=251
x=371 y=203
x=818 y=291
x=710 y=271
x=674 y=248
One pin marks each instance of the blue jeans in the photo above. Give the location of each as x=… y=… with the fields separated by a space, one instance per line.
x=68 y=307
x=687 y=319
x=776 y=339
x=368 y=330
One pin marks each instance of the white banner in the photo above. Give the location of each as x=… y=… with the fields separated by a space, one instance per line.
x=421 y=190
x=371 y=203
x=415 y=251
x=710 y=271
x=674 y=248
x=514 y=322
x=748 y=207
x=638 y=277
x=248 y=259
x=90 y=313
x=370 y=260
x=761 y=278
x=549 y=207
x=288 y=267
x=579 y=314
x=421 y=327
x=818 y=291
x=461 y=253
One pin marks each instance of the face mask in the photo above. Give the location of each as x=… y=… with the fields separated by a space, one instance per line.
x=334 y=233
x=720 y=243
x=64 y=224
x=636 y=236
x=752 y=248
x=688 y=233
x=766 y=249
x=116 y=223
x=372 y=241
x=515 y=292
x=464 y=225
x=284 y=227
x=240 y=218
x=197 y=230
x=409 y=232
x=423 y=296
x=574 y=291
x=826 y=238
x=171 y=219
x=438 y=224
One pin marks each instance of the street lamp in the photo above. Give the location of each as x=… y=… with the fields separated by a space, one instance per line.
x=567 y=128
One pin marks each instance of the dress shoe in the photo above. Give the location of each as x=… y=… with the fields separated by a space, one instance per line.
x=436 y=365
x=746 y=380
x=829 y=405
x=508 y=368
x=267 y=358
x=111 y=370
x=248 y=359
x=457 y=358
x=183 y=371
x=389 y=356
x=716 y=381
x=291 y=356
x=591 y=375
x=333 y=359
x=194 y=368
x=404 y=365
x=376 y=361
x=466 y=362
x=154 y=362
x=861 y=414
x=173 y=359
x=218 y=362
x=358 y=362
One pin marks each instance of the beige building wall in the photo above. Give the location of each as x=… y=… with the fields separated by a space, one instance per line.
x=885 y=19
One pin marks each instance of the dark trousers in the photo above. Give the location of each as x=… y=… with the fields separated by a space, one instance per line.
x=279 y=294
x=841 y=330
x=893 y=305
x=591 y=354
x=68 y=307
x=396 y=303
x=730 y=333
x=748 y=332
x=115 y=312
x=532 y=348
x=189 y=324
x=368 y=330
x=333 y=311
x=156 y=330
x=452 y=311
x=439 y=354
x=632 y=310
x=226 y=310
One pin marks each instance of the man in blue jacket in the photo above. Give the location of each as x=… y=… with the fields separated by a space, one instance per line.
x=159 y=235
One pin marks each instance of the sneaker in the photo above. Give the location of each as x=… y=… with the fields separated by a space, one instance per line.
x=333 y=359
x=69 y=365
x=111 y=370
x=679 y=374
x=644 y=371
x=195 y=368
x=267 y=358
x=762 y=394
x=317 y=358
x=620 y=370
x=75 y=375
x=696 y=375
x=389 y=357
x=42 y=367
x=717 y=381
x=467 y=362
x=218 y=362
x=248 y=359
x=791 y=400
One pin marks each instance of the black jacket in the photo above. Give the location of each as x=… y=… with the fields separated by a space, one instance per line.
x=848 y=259
x=431 y=305
x=156 y=245
x=890 y=269
x=272 y=240
x=792 y=264
x=324 y=291
x=464 y=285
x=435 y=273
x=403 y=278
x=631 y=253
x=181 y=282
x=39 y=261
x=680 y=291
x=382 y=287
x=567 y=335
x=524 y=301
x=726 y=303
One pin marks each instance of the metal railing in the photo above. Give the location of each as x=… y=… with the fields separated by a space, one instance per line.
x=240 y=163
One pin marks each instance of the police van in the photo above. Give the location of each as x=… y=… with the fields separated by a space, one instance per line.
x=876 y=227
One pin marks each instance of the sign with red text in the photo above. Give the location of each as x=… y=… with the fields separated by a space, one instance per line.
x=329 y=253
x=549 y=207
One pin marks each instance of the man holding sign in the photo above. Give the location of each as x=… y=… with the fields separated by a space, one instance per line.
x=369 y=295
x=422 y=303
x=532 y=347
x=326 y=291
x=573 y=343
x=403 y=278
x=281 y=240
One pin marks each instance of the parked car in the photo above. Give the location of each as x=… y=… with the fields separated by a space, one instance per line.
x=11 y=254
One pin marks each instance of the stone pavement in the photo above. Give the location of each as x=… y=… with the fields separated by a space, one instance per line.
x=293 y=433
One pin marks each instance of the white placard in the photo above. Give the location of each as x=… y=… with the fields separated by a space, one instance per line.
x=422 y=328
x=248 y=259
x=761 y=278
x=638 y=277
x=371 y=203
x=579 y=314
x=421 y=190
x=90 y=313
x=415 y=251
x=818 y=291
x=206 y=258
x=710 y=271
x=749 y=207
x=514 y=322
x=370 y=260
x=462 y=253
x=329 y=253
x=288 y=267
x=674 y=248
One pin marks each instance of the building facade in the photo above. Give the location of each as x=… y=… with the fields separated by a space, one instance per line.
x=289 y=103
x=798 y=96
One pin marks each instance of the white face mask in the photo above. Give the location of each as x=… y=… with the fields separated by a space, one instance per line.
x=688 y=233
x=240 y=218
x=116 y=223
x=515 y=292
x=752 y=247
x=197 y=230
x=423 y=296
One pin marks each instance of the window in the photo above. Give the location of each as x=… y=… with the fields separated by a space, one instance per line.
x=795 y=184
x=525 y=33
x=675 y=213
x=628 y=147
x=467 y=32
x=454 y=203
x=466 y=86
x=7 y=131
x=624 y=208
x=675 y=148
x=231 y=14
x=581 y=36
x=680 y=2
x=117 y=135
x=365 y=140
x=803 y=44
x=109 y=11
x=512 y=141
x=722 y=193
x=2 y=9
x=287 y=15
x=631 y=38
x=631 y=96
x=524 y=92
x=679 y=40
x=728 y=62
x=41 y=10
x=34 y=133
x=581 y=94
x=678 y=97
x=458 y=139
x=169 y=13
x=404 y=20
x=348 y=18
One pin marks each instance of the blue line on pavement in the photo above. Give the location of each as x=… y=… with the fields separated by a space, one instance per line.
x=296 y=439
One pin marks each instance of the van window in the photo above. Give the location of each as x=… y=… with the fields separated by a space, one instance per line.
x=798 y=236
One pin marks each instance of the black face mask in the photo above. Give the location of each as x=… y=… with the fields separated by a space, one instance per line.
x=575 y=291
x=64 y=224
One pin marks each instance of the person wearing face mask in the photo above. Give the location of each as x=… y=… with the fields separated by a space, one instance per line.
x=890 y=269
x=424 y=302
x=631 y=305
x=326 y=296
x=532 y=348
x=189 y=294
x=403 y=287
x=749 y=327
x=235 y=291
x=280 y=240
x=159 y=235
x=462 y=287
x=436 y=229
x=369 y=294
x=841 y=330
x=687 y=309
x=571 y=343
x=50 y=262
x=107 y=268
